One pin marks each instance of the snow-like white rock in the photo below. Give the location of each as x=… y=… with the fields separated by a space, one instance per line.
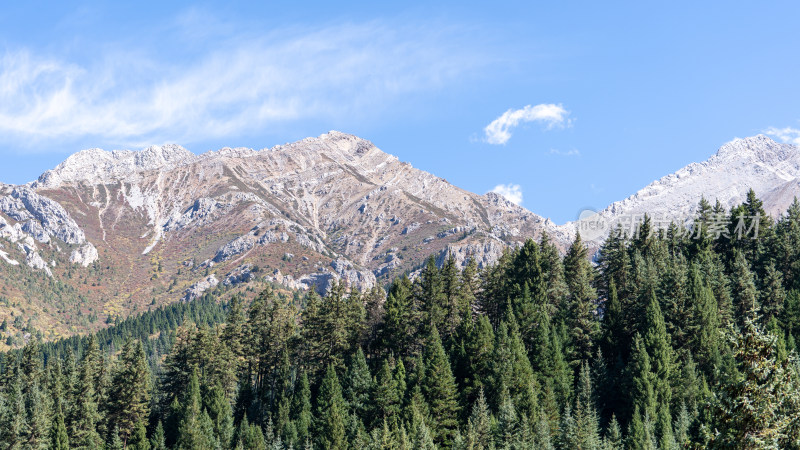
x=98 y=166
x=7 y=259
x=196 y=290
x=84 y=255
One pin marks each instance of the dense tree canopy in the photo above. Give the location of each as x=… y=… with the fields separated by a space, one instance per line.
x=675 y=338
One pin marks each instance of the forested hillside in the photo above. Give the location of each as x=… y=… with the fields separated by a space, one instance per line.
x=675 y=338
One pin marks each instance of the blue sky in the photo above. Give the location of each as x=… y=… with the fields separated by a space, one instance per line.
x=568 y=104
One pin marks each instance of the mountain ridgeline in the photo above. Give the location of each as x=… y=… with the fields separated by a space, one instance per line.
x=108 y=234
x=675 y=339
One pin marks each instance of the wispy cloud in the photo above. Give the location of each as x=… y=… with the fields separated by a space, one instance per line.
x=130 y=96
x=788 y=134
x=551 y=115
x=512 y=192
x=572 y=152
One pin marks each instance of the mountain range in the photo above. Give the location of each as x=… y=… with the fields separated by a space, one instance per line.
x=109 y=233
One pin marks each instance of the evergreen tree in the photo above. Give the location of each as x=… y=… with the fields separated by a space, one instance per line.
x=475 y=355
x=587 y=432
x=430 y=292
x=138 y=440
x=130 y=400
x=706 y=327
x=773 y=295
x=301 y=409
x=195 y=429
x=59 y=439
x=744 y=288
x=760 y=408
x=158 y=441
x=439 y=388
x=581 y=321
x=221 y=415
x=643 y=394
x=657 y=343
x=14 y=425
x=386 y=397
x=613 y=437
x=479 y=425
x=358 y=385
x=641 y=435
x=85 y=416
x=331 y=413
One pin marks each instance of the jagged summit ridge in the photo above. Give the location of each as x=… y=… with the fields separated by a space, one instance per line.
x=97 y=165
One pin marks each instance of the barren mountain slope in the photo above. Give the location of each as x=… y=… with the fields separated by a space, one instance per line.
x=164 y=224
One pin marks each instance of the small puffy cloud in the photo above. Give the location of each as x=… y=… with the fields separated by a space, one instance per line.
x=551 y=115
x=512 y=192
x=573 y=152
x=788 y=134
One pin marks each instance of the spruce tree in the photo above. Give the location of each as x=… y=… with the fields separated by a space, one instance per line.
x=643 y=394
x=301 y=409
x=581 y=318
x=587 y=432
x=358 y=385
x=744 y=288
x=59 y=439
x=706 y=327
x=386 y=398
x=760 y=408
x=440 y=390
x=130 y=400
x=659 y=349
x=331 y=412
x=479 y=425
x=138 y=440
x=84 y=417
x=158 y=441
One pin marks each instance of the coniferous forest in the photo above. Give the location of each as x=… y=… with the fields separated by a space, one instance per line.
x=668 y=338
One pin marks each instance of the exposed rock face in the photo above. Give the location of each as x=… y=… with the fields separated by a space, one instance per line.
x=84 y=255
x=196 y=290
x=241 y=274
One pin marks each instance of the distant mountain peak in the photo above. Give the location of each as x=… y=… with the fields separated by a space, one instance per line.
x=770 y=168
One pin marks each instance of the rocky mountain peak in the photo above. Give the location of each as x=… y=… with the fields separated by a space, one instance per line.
x=757 y=148
x=334 y=144
x=97 y=165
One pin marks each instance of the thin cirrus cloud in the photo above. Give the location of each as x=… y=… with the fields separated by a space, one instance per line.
x=788 y=134
x=571 y=152
x=550 y=115
x=512 y=192
x=130 y=96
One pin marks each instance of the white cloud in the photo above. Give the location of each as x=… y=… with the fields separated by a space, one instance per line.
x=551 y=115
x=512 y=192
x=132 y=96
x=788 y=134
x=572 y=152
